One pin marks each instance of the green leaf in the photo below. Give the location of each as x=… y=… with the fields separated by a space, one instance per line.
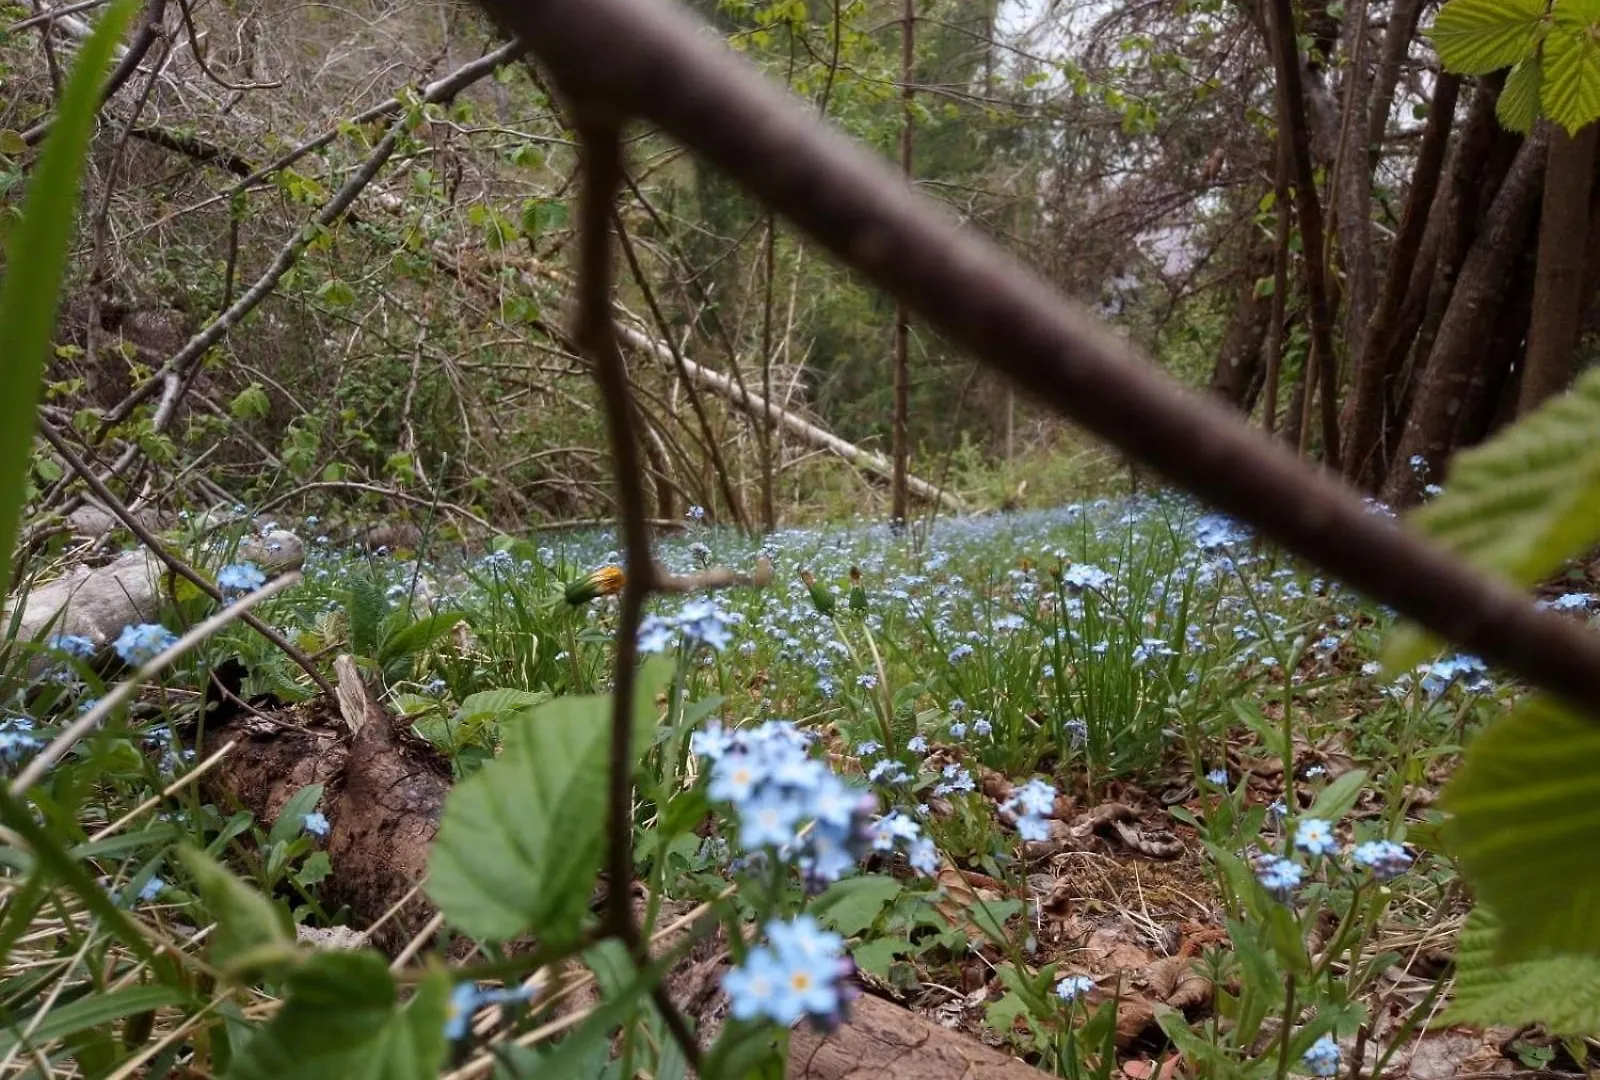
x=1526 y=806
x=250 y=928
x=876 y=956
x=1338 y=798
x=1571 y=93
x=1526 y=501
x=520 y=844
x=251 y=403
x=35 y=257
x=487 y=706
x=342 y=1018
x=852 y=904
x=418 y=636
x=365 y=605
x=1476 y=37
x=89 y=1012
x=291 y=819
x=1562 y=992
x=316 y=867
x=336 y=293
x=1518 y=104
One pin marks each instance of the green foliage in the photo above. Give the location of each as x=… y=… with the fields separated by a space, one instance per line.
x=1476 y=37
x=1523 y=503
x=250 y=931
x=86 y=1013
x=854 y=904
x=1526 y=806
x=1518 y=104
x=1572 y=64
x=343 y=1019
x=36 y=258
x=521 y=840
x=1560 y=991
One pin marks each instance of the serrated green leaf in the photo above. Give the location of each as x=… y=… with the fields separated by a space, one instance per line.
x=89 y=1012
x=419 y=636
x=1518 y=105
x=365 y=605
x=1562 y=991
x=342 y=1018
x=1476 y=37
x=520 y=844
x=36 y=255
x=1337 y=799
x=1526 y=806
x=1571 y=93
x=853 y=904
x=876 y=956
x=250 y=928
x=291 y=819
x=1526 y=501
x=251 y=403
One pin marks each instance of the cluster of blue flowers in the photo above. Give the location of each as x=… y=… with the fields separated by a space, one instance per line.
x=788 y=802
x=240 y=578
x=1032 y=804
x=1322 y=1058
x=698 y=622
x=801 y=972
x=1385 y=860
x=140 y=643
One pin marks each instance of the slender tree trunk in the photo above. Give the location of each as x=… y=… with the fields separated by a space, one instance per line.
x=1396 y=43
x=769 y=513
x=1468 y=322
x=1280 y=283
x=1558 y=290
x=1353 y=186
x=902 y=316
x=1292 y=115
x=1239 y=357
x=1363 y=417
x=1498 y=364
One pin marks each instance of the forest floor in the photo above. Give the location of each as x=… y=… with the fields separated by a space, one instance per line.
x=1239 y=822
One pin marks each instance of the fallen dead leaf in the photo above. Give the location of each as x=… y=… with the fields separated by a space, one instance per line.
x=1174 y=980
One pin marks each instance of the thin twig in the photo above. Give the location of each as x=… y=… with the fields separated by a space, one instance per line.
x=75 y=731
x=177 y=565
x=596 y=335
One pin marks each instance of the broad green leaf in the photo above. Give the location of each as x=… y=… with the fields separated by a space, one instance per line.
x=488 y=705
x=1526 y=501
x=1338 y=798
x=1526 y=806
x=291 y=819
x=1476 y=37
x=521 y=841
x=876 y=956
x=1571 y=93
x=852 y=904
x=89 y=1012
x=35 y=258
x=316 y=867
x=251 y=403
x=342 y=1019
x=1518 y=104
x=250 y=928
x=365 y=606
x=1562 y=992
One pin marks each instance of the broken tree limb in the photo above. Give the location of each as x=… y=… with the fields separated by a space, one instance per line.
x=756 y=406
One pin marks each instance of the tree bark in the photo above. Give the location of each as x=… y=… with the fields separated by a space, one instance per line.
x=1498 y=369
x=1239 y=357
x=1558 y=289
x=901 y=500
x=1372 y=344
x=1292 y=115
x=1468 y=321
x=1280 y=284
x=1396 y=42
x=1353 y=197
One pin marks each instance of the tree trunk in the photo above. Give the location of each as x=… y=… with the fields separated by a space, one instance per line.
x=901 y=501
x=1558 y=291
x=1371 y=345
x=1468 y=322
x=1292 y=115
x=1498 y=364
x=1353 y=194
x=1396 y=43
x=1280 y=283
x=1239 y=358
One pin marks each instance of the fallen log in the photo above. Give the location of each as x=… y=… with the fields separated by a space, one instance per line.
x=97 y=603
x=756 y=406
x=885 y=1042
x=383 y=797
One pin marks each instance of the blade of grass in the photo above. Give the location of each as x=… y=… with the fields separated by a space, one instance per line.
x=36 y=259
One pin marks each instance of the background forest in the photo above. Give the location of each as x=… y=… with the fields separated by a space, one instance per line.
x=489 y=596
